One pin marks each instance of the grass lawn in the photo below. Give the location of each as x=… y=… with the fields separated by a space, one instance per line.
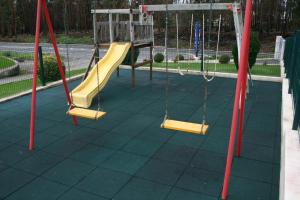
x=23 y=56
x=16 y=87
x=268 y=70
x=10 y=89
x=75 y=72
x=264 y=70
x=17 y=56
x=4 y=62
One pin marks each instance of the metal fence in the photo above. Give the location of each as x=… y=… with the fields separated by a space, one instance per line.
x=16 y=63
x=292 y=63
x=266 y=64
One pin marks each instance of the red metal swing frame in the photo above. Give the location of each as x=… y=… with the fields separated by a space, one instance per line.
x=239 y=99
x=240 y=92
x=42 y=5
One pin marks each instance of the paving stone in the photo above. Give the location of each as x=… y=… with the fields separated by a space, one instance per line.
x=161 y=171
x=124 y=162
x=11 y=180
x=104 y=182
x=68 y=172
x=39 y=189
x=138 y=189
x=93 y=154
x=175 y=153
x=75 y=194
x=202 y=181
x=39 y=162
x=179 y=194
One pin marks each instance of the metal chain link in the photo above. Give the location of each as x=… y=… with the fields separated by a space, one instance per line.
x=167 y=67
x=190 y=47
x=66 y=27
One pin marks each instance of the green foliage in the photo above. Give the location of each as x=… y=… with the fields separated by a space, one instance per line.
x=5 y=63
x=179 y=57
x=7 y=53
x=17 y=56
x=15 y=87
x=127 y=60
x=51 y=71
x=159 y=57
x=253 y=51
x=298 y=7
x=269 y=70
x=224 y=59
x=74 y=39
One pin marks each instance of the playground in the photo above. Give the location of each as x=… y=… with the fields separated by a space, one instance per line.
x=126 y=155
x=150 y=113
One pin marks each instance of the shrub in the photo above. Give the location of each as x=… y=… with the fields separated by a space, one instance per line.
x=127 y=59
x=179 y=57
x=224 y=59
x=159 y=57
x=51 y=71
x=213 y=57
x=7 y=53
x=253 y=51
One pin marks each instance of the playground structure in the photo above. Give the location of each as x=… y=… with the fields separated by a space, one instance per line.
x=90 y=88
x=138 y=32
x=97 y=78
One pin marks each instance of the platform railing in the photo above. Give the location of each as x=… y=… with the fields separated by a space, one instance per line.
x=121 y=32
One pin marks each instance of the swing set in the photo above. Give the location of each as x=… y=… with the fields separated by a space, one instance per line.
x=176 y=125
x=243 y=44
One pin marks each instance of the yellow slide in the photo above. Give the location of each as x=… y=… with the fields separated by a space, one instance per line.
x=84 y=93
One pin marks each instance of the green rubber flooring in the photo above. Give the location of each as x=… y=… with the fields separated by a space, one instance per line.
x=127 y=156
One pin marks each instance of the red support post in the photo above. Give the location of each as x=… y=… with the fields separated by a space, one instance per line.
x=54 y=43
x=43 y=4
x=242 y=75
x=35 y=66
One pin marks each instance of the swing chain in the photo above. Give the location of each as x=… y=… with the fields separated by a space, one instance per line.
x=190 y=47
x=177 y=45
x=66 y=27
x=99 y=108
x=166 y=64
x=205 y=75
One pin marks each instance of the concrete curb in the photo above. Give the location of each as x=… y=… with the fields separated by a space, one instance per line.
x=10 y=71
x=290 y=147
x=290 y=150
x=217 y=74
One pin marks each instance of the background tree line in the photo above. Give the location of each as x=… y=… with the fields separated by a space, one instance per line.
x=18 y=16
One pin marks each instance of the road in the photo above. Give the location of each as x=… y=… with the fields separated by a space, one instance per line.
x=79 y=54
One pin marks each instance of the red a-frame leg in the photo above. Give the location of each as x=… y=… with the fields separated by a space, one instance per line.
x=239 y=92
x=43 y=4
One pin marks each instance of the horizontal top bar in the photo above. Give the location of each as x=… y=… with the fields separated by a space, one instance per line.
x=187 y=7
x=115 y=11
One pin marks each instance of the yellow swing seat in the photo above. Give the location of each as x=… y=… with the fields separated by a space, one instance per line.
x=86 y=113
x=189 y=127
